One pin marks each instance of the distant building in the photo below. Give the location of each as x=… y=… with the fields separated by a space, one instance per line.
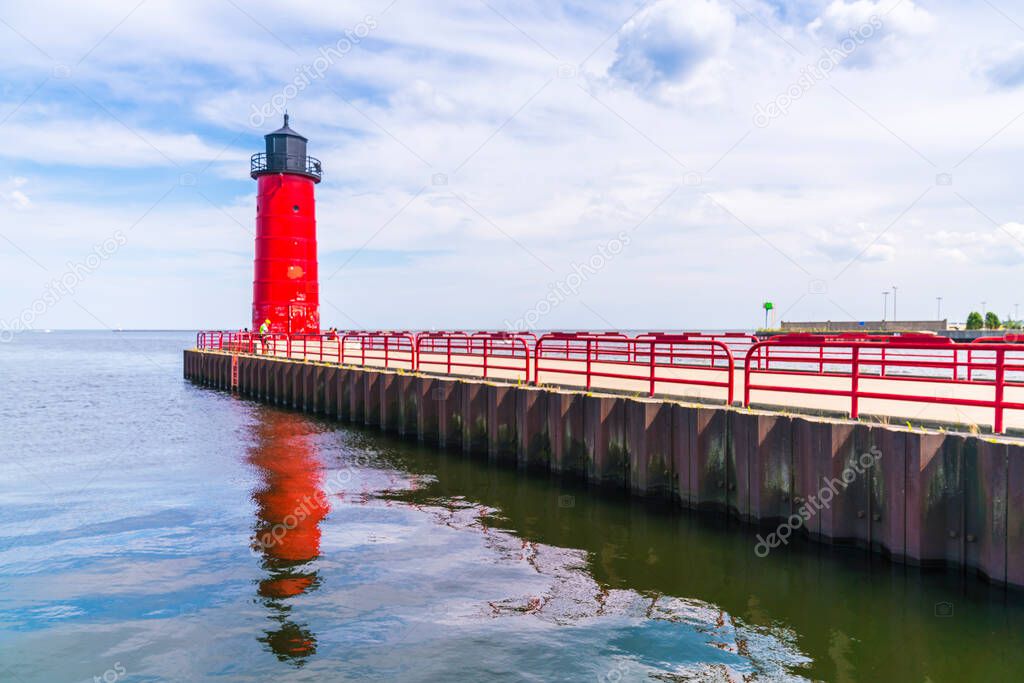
x=867 y=326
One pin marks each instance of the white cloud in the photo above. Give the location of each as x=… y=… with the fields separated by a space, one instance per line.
x=877 y=29
x=1005 y=67
x=673 y=47
x=859 y=241
x=93 y=142
x=1001 y=247
x=422 y=97
x=11 y=194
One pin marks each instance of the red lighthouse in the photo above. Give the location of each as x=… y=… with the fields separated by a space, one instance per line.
x=286 y=287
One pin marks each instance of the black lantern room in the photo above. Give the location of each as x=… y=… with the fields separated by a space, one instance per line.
x=286 y=153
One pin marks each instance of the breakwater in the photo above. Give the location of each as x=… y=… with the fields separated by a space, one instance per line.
x=922 y=497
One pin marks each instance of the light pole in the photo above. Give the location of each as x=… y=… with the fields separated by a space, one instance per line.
x=938 y=308
x=885 y=304
x=894 y=302
x=1016 y=312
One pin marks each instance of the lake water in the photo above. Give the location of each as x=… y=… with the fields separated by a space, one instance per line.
x=154 y=530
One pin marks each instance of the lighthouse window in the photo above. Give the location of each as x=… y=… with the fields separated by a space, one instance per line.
x=295 y=209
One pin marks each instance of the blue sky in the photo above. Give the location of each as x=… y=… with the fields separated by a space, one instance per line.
x=483 y=159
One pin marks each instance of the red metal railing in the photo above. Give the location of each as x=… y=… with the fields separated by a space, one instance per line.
x=738 y=342
x=239 y=342
x=529 y=337
x=484 y=354
x=1015 y=337
x=379 y=349
x=308 y=346
x=283 y=345
x=802 y=339
x=828 y=371
x=624 y=362
x=940 y=370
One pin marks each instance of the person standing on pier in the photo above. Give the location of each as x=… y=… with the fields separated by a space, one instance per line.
x=264 y=331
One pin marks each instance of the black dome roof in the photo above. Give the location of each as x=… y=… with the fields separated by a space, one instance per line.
x=286 y=130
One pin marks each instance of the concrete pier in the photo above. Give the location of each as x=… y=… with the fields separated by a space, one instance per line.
x=917 y=496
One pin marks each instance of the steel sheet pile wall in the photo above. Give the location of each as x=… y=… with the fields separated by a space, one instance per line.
x=919 y=497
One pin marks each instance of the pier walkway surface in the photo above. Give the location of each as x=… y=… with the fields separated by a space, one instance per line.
x=913 y=378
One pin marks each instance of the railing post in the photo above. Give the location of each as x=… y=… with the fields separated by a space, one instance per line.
x=882 y=369
x=288 y=346
x=730 y=374
x=536 y=361
x=387 y=349
x=526 y=360
x=448 y=345
x=855 y=384
x=485 y=348
x=651 y=364
x=747 y=369
x=588 y=360
x=997 y=427
x=362 y=348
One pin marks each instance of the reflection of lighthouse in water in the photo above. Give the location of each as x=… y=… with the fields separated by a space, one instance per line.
x=289 y=507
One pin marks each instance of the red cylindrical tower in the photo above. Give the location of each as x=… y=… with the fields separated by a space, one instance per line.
x=286 y=286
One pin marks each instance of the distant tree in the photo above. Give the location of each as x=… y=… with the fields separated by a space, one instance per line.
x=1011 y=324
x=975 y=321
x=992 y=321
